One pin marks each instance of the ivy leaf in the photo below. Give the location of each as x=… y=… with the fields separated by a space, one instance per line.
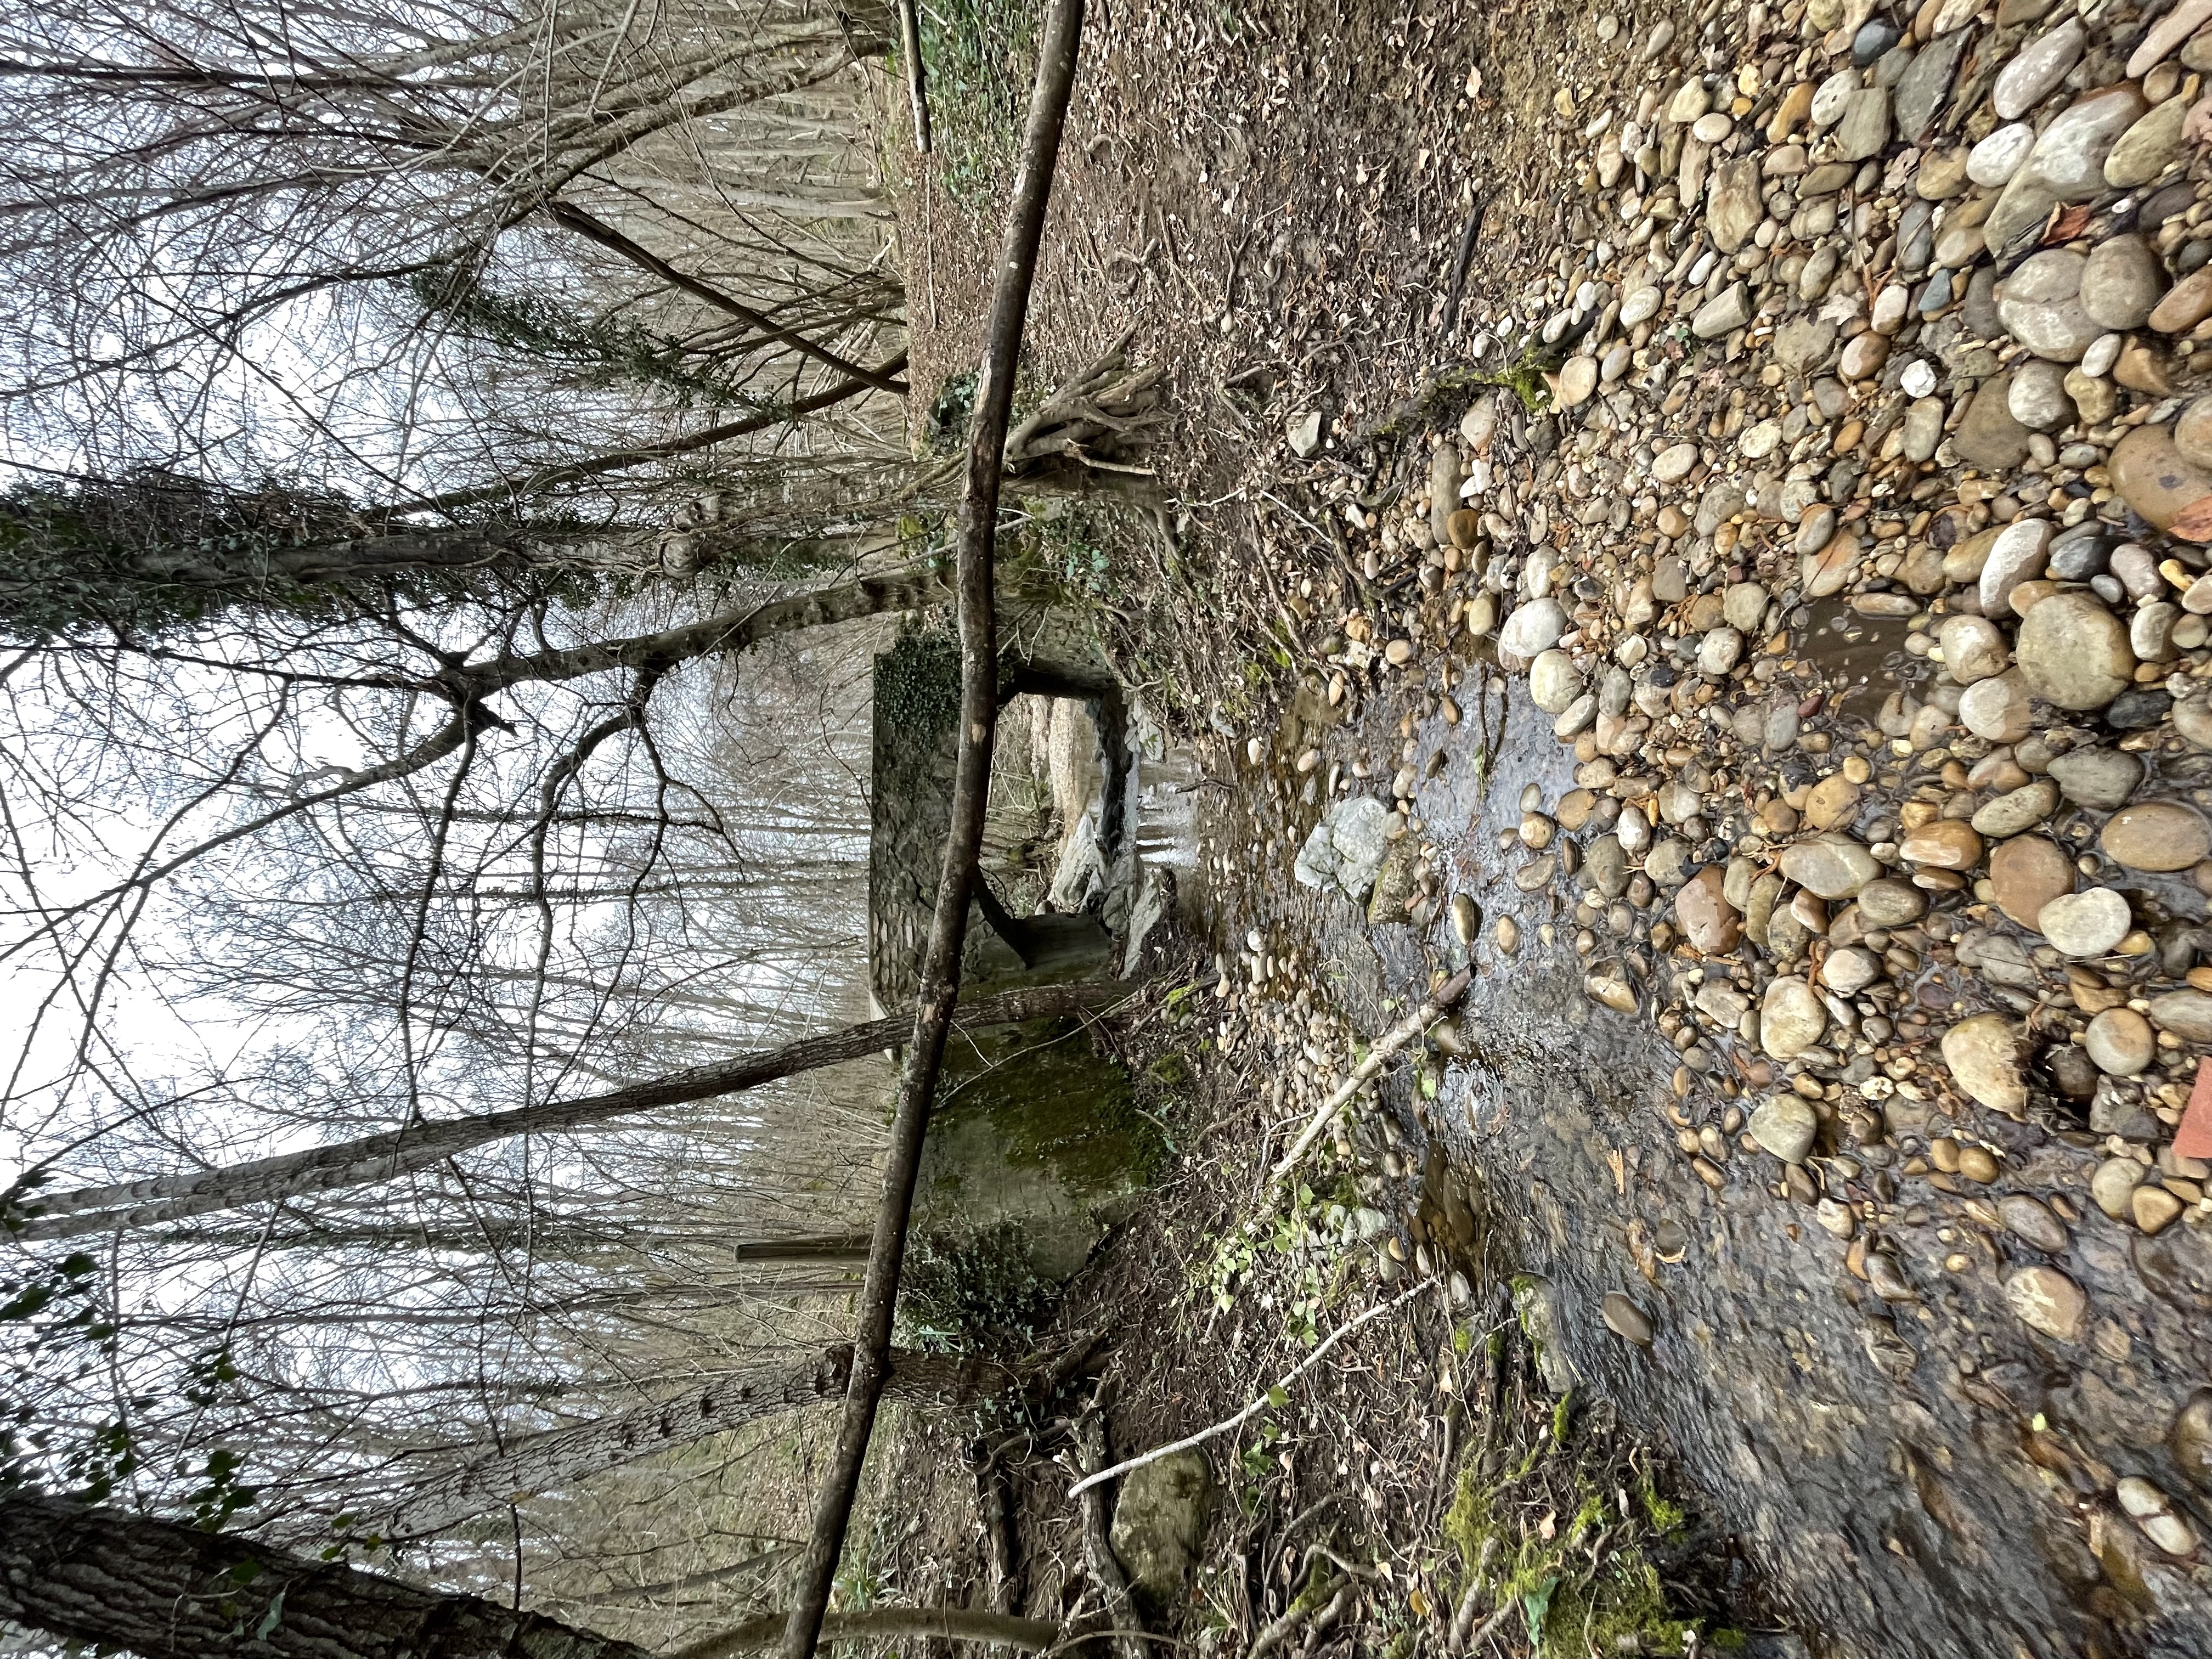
x=271 y=1619
x=1536 y=1606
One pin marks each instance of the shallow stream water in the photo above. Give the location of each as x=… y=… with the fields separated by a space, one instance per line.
x=1920 y=1476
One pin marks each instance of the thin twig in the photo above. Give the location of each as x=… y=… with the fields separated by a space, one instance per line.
x=1440 y=1002
x=1260 y=1404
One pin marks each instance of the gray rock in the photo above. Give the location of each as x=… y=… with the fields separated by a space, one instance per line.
x=2018 y=810
x=2149 y=148
x=1605 y=867
x=2091 y=923
x=1989 y=438
x=1891 y=903
x=1554 y=682
x=1723 y=314
x=1743 y=605
x=1865 y=126
x=2037 y=397
x=1733 y=208
x=1786 y=1126
x=1983 y=1055
x=2187 y=1014
x=1346 y=848
x=2074 y=652
x=1625 y=1319
x=1995 y=160
x=1791 y=1017
x=1924 y=429
x=2040 y=307
x=1159 y=1522
x=1830 y=866
x=2016 y=556
x=1533 y=627
x=1445 y=477
x=1536 y=1305
x=2038 y=68
x=1802 y=342
x=1719 y=651
x=2067 y=164
x=2101 y=778
x=2122 y=281
x=1925 y=84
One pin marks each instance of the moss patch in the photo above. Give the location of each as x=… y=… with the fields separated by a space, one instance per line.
x=1557 y=1535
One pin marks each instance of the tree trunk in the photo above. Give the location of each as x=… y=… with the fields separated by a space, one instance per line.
x=561 y=1457
x=1059 y=39
x=167 y=1591
x=161 y=1198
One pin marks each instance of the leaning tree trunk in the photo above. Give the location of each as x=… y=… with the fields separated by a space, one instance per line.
x=165 y=1591
x=561 y=1457
x=162 y=1199
x=1059 y=39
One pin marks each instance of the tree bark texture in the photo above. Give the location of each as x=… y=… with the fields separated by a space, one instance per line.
x=167 y=1591
x=162 y=1199
x=1059 y=39
x=560 y=1457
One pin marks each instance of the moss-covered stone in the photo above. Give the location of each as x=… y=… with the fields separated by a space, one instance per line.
x=1035 y=1126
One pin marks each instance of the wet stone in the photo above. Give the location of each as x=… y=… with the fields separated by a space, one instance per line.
x=1983 y=1055
x=2031 y=1220
x=1830 y=866
x=2086 y=924
x=1710 y=923
x=2025 y=874
x=2159 y=835
x=2017 y=811
x=2190 y=1440
x=2098 y=777
x=2074 y=652
x=2047 y=1301
x=1786 y=1126
x=1625 y=1319
x=2120 y=1042
x=2113 y=1185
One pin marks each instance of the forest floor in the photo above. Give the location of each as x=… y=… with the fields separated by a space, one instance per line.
x=1625 y=542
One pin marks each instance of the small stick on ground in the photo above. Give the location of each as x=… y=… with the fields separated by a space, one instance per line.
x=1450 y=318
x=1439 y=1003
x=1091 y=1480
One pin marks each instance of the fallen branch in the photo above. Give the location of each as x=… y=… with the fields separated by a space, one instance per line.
x=374 y=1159
x=1059 y=39
x=1260 y=1404
x=1440 y=1002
